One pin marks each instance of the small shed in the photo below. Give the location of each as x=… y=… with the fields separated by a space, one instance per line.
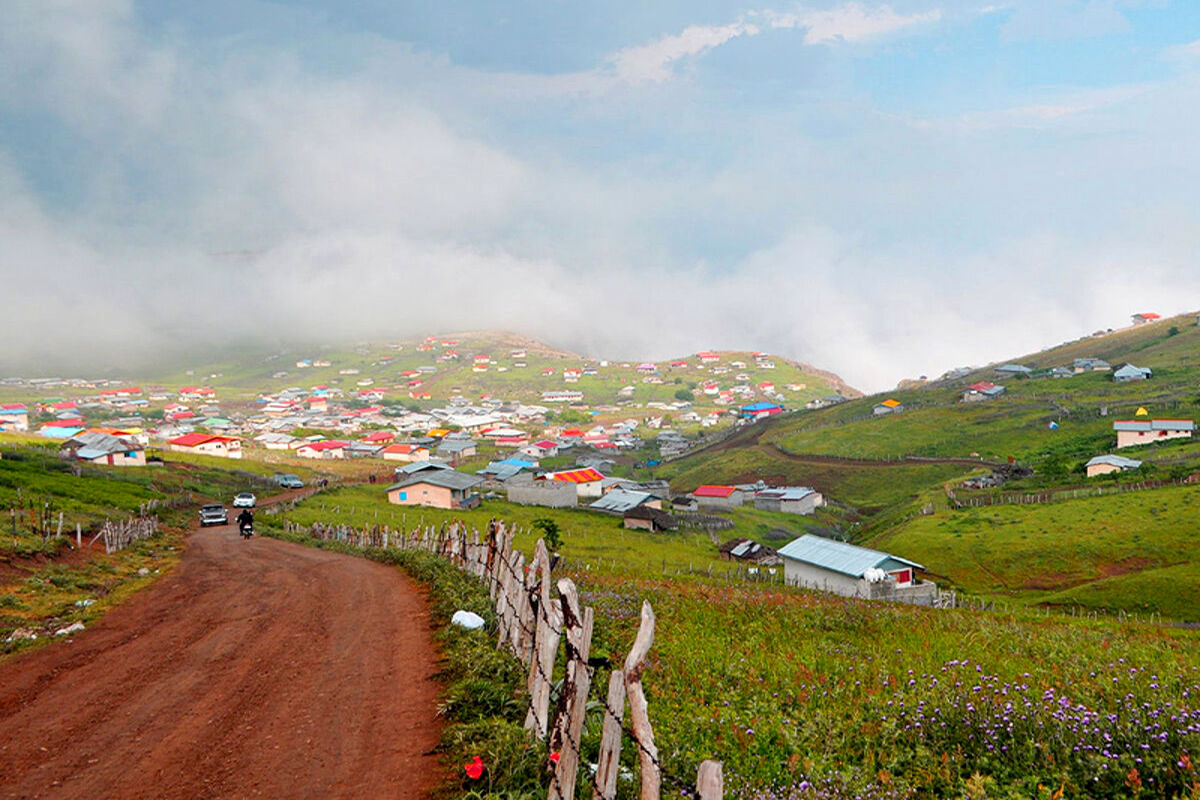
x=716 y=496
x=648 y=518
x=789 y=499
x=618 y=501
x=846 y=569
x=750 y=551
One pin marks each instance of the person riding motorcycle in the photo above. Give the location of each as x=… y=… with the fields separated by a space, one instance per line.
x=245 y=520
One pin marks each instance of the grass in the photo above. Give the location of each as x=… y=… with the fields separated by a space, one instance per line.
x=1099 y=551
x=803 y=695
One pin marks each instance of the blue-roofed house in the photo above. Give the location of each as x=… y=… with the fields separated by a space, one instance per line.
x=1103 y=465
x=815 y=562
x=759 y=410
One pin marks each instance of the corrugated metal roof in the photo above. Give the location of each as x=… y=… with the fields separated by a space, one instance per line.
x=1116 y=461
x=847 y=559
x=621 y=500
x=446 y=478
x=1154 y=425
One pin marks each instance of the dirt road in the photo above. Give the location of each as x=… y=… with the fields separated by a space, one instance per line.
x=257 y=669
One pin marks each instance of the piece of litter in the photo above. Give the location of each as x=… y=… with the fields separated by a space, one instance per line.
x=143 y=571
x=84 y=603
x=467 y=619
x=74 y=627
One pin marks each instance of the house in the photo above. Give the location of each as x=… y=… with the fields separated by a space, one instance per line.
x=417 y=467
x=1103 y=465
x=648 y=518
x=1129 y=373
x=1131 y=432
x=380 y=437
x=1090 y=365
x=1144 y=317
x=455 y=449
x=824 y=402
x=278 y=441
x=789 y=499
x=405 y=452
x=851 y=571
x=889 y=406
x=502 y=471
x=708 y=357
x=437 y=488
x=748 y=550
x=14 y=417
x=759 y=410
x=540 y=450
x=327 y=448
x=714 y=496
x=983 y=390
x=618 y=501
x=208 y=444
x=99 y=447
x=1014 y=370
x=588 y=482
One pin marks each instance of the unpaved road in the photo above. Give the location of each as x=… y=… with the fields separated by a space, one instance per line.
x=258 y=668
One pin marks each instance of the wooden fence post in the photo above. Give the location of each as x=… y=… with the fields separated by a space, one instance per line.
x=638 y=716
x=545 y=645
x=572 y=706
x=710 y=781
x=608 y=763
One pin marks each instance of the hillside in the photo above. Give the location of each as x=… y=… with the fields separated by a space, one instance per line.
x=1124 y=551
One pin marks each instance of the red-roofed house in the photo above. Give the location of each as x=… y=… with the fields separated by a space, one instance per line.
x=984 y=390
x=208 y=444
x=542 y=449
x=708 y=357
x=1144 y=317
x=406 y=453
x=329 y=448
x=197 y=392
x=588 y=482
x=380 y=437
x=715 y=496
x=14 y=417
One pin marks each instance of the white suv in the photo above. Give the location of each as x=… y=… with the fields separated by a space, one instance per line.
x=245 y=500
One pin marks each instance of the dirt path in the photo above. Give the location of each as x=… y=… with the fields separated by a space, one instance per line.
x=257 y=669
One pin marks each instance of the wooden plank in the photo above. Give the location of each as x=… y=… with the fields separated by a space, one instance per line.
x=710 y=783
x=608 y=763
x=545 y=645
x=577 y=681
x=639 y=717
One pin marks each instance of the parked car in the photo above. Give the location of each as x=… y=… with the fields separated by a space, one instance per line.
x=213 y=514
x=245 y=500
x=289 y=481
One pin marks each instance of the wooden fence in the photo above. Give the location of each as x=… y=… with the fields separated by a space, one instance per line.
x=1058 y=495
x=119 y=535
x=534 y=612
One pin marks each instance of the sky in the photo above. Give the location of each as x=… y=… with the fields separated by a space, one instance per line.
x=884 y=190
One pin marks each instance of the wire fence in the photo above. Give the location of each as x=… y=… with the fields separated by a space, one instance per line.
x=536 y=618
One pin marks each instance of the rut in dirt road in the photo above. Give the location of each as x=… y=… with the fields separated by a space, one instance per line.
x=258 y=668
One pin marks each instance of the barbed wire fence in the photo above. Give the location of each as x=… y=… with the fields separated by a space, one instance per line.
x=535 y=615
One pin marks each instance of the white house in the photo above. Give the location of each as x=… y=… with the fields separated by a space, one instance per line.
x=1103 y=465
x=815 y=562
x=1132 y=432
x=207 y=444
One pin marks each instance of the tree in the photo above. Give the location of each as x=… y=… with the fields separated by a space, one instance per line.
x=684 y=394
x=1172 y=331
x=550 y=532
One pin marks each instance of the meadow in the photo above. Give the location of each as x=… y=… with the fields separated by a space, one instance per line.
x=804 y=695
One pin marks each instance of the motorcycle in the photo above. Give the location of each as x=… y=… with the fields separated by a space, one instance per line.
x=246 y=530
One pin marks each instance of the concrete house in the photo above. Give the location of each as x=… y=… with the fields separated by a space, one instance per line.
x=588 y=482
x=207 y=444
x=714 y=496
x=405 y=452
x=1090 y=365
x=983 y=390
x=851 y=571
x=889 y=406
x=14 y=417
x=97 y=447
x=455 y=449
x=1144 y=317
x=1104 y=465
x=437 y=488
x=326 y=449
x=789 y=499
x=1129 y=373
x=1132 y=432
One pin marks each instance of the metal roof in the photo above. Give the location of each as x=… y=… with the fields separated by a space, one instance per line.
x=448 y=479
x=847 y=559
x=621 y=500
x=1154 y=425
x=786 y=493
x=1116 y=461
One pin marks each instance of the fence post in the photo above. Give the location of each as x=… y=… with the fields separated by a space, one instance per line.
x=709 y=781
x=608 y=763
x=572 y=707
x=545 y=645
x=638 y=715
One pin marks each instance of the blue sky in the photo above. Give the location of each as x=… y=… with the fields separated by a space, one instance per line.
x=884 y=190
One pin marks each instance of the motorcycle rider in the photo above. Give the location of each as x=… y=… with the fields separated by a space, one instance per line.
x=245 y=520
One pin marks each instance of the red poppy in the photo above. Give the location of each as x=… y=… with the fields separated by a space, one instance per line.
x=554 y=757
x=474 y=770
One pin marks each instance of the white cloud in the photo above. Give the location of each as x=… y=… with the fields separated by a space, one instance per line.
x=651 y=62
x=849 y=23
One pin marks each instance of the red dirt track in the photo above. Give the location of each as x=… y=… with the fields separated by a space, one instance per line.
x=257 y=668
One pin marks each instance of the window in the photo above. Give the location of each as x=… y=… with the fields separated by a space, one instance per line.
x=403 y=495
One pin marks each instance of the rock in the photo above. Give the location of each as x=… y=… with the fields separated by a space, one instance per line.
x=21 y=633
x=143 y=571
x=467 y=619
x=74 y=627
